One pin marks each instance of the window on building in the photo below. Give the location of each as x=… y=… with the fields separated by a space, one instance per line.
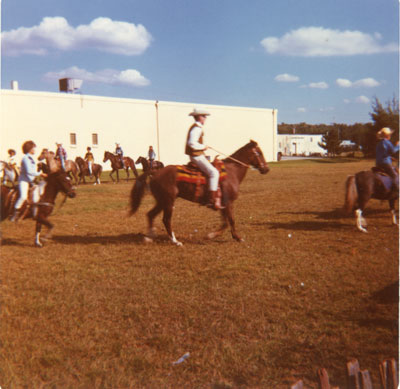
x=280 y=145
x=95 y=139
x=310 y=139
x=72 y=139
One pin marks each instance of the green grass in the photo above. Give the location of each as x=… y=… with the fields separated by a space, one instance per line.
x=97 y=307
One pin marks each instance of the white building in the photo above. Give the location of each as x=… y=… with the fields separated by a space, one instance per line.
x=300 y=144
x=79 y=121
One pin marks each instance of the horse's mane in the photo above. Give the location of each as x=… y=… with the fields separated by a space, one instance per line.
x=242 y=150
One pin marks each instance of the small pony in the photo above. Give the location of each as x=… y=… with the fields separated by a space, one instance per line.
x=363 y=186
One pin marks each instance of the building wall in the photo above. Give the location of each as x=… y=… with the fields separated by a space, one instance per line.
x=48 y=118
x=299 y=144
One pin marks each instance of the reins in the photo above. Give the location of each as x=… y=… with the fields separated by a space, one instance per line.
x=228 y=156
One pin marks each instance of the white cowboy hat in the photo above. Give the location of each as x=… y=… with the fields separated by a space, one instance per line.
x=198 y=112
x=58 y=143
x=385 y=131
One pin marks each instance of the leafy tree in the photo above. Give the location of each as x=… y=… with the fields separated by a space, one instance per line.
x=382 y=116
x=331 y=142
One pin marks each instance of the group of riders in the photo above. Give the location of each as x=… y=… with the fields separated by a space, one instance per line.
x=195 y=149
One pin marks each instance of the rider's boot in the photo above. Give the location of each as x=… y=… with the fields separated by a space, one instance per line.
x=214 y=201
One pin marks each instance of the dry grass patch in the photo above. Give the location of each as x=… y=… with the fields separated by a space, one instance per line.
x=96 y=307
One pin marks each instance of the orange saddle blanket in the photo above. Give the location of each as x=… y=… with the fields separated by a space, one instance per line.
x=191 y=174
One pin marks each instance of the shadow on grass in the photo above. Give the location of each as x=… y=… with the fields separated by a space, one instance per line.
x=337 y=213
x=307 y=226
x=100 y=239
x=389 y=294
x=9 y=242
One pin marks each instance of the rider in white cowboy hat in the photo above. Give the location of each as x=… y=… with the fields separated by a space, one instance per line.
x=384 y=151
x=195 y=149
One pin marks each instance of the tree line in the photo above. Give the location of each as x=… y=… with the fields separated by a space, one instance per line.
x=363 y=135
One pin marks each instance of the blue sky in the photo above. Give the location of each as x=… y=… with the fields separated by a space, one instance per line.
x=315 y=61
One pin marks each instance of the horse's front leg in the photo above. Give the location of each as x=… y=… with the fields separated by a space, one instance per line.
x=231 y=220
x=223 y=227
x=37 y=234
x=127 y=174
x=112 y=178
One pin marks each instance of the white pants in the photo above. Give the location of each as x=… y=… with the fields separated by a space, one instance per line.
x=90 y=166
x=209 y=170
x=23 y=193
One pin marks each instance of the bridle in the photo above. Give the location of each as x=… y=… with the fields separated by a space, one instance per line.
x=258 y=156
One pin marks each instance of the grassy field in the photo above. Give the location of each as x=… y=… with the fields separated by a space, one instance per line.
x=98 y=308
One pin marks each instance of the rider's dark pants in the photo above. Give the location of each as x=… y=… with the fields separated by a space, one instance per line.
x=389 y=170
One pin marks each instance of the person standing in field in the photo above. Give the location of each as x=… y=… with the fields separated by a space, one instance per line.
x=89 y=158
x=28 y=174
x=195 y=149
x=384 y=151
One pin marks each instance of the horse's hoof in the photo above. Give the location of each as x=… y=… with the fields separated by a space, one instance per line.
x=38 y=245
x=179 y=244
x=146 y=239
x=362 y=229
x=211 y=235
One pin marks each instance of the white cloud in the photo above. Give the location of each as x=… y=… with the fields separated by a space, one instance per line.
x=362 y=100
x=129 y=77
x=285 y=77
x=346 y=101
x=363 y=83
x=325 y=42
x=327 y=109
x=54 y=33
x=316 y=85
x=343 y=83
x=301 y=109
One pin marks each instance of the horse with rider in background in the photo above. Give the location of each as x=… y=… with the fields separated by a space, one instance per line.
x=190 y=184
x=116 y=165
x=156 y=165
x=381 y=182
x=97 y=169
x=54 y=165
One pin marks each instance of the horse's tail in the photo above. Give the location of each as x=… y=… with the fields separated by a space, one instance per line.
x=351 y=195
x=137 y=192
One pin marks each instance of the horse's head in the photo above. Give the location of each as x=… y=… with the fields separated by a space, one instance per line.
x=106 y=156
x=139 y=160
x=43 y=154
x=257 y=159
x=63 y=182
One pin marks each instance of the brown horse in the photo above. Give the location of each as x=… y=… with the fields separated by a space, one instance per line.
x=366 y=185
x=116 y=165
x=39 y=211
x=146 y=164
x=165 y=189
x=70 y=166
x=84 y=170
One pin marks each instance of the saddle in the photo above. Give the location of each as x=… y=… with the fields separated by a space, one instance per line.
x=191 y=174
x=378 y=170
x=384 y=179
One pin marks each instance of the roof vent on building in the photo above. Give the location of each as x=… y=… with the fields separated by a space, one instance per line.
x=69 y=85
x=14 y=85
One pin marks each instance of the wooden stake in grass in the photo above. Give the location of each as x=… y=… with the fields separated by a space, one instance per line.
x=366 y=382
x=353 y=372
x=297 y=385
x=389 y=377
